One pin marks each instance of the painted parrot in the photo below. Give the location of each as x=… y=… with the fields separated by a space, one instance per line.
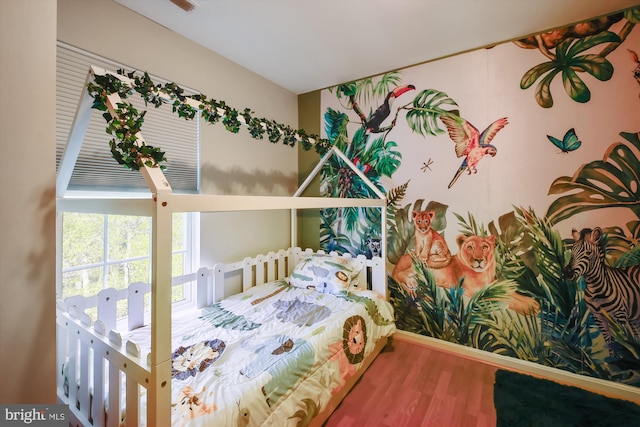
x=471 y=144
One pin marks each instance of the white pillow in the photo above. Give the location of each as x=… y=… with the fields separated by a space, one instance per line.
x=325 y=273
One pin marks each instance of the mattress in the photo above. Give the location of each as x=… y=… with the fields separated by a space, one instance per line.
x=272 y=355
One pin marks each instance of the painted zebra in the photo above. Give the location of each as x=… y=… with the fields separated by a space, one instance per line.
x=615 y=291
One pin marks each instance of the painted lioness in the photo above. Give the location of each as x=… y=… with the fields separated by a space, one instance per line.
x=475 y=262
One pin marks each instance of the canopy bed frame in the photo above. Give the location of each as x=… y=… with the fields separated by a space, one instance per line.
x=89 y=352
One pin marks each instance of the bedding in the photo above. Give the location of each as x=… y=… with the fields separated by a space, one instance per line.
x=326 y=273
x=272 y=355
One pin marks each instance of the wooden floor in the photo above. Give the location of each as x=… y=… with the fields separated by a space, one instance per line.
x=412 y=385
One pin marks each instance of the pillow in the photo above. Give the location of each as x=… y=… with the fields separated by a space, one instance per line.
x=325 y=273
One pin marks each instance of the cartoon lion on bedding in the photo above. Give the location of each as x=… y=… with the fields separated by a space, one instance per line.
x=474 y=265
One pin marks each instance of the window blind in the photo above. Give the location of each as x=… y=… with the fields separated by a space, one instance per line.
x=96 y=170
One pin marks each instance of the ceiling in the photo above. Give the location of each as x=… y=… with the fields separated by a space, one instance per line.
x=305 y=45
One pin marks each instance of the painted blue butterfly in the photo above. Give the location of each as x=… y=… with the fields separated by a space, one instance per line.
x=570 y=142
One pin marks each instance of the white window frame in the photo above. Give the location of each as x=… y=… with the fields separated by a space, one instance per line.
x=191 y=250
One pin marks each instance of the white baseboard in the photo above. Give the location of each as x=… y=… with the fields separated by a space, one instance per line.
x=596 y=385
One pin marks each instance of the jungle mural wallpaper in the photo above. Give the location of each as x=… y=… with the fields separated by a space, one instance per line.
x=512 y=179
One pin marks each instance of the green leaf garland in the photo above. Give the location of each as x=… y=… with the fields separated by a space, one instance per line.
x=131 y=152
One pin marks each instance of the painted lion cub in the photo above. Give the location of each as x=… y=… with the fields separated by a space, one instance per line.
x=430 y=248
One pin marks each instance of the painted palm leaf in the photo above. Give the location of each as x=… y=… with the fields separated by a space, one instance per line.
x=367 y=91
x=513 y=247
x=470 y=226
x=568 y=62
x=550 y=258
x=401 y=232
x=569 y=48
x=543 y=90
x=622 y=248
x=574 y=86
x=534 y=74
x=449 y=316
x=336 y=127
x=381 y=156
x=611 y=182
x=629 y=258
x=633 y=15
x=596 y=65
x=427 y=106
x=330 y=239
x=510 y=334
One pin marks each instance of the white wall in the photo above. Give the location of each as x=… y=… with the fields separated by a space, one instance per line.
x=231 y=164
x=27 y=200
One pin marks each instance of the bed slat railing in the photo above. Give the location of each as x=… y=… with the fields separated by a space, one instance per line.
x=247 y=276
x=93 y=354
x=84 y=354
x=135 y=304
x=98 y=389
x=283 y=262
x=204 y=289
x=132 y=403
x=83 y=388
x=379 y=277
x=113 y=409
x=254 y=271
x=279 y=265
x=108 y=307
x=96 y=359
x=260 y=269
x=107 y=302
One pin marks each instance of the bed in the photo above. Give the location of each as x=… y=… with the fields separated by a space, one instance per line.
x=284 y=351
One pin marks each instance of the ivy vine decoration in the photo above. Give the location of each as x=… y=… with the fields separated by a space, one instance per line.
x=131 y=152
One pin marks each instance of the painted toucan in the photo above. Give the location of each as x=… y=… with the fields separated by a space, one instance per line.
x=373 y=124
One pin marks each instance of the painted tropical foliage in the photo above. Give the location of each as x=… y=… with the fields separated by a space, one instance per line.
x=566 y=50
x=531 y=308
x=531 y=256
x=349 y=229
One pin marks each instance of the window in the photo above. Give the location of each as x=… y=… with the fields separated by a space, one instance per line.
x=95 y=169
x=112 y=251
x=99 y=251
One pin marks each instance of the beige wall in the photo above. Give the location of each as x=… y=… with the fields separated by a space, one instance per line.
x=230 y=163
x=308 y=220
x=27 y=197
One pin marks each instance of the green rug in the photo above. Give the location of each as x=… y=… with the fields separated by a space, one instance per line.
x=522 y=400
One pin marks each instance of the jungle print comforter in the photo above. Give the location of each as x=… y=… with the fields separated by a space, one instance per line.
x=273 y=355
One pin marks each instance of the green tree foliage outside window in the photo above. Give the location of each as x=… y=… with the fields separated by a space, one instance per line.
x=112 y=251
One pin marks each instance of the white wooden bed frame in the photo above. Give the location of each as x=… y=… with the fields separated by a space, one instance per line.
x=81 y=342
x=95 y=350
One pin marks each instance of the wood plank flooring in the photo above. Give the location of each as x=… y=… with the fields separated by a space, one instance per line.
x=409 y=385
